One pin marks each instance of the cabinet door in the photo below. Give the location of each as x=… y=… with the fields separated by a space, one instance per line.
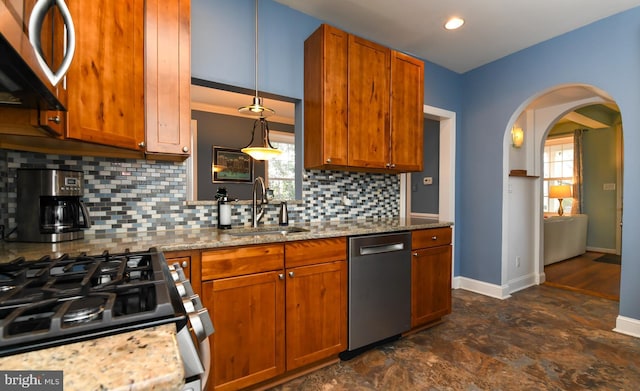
x=325 y=98
x=369 y=76
x=168 y=76
x=248 y=314
x=430 y=284
x=316 y=313
x=105 y=82
x=407 y=97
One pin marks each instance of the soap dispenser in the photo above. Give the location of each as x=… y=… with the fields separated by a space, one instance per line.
x=283 y=217
x=224 y=209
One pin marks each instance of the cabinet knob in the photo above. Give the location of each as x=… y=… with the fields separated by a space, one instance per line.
x=393 y=165
x=291 y=274
x=415 y=254
x=55 y=119
x=141 y=144
x=388 y=165
x=185 y=149
x=185 y=264
x=281 y=276
x=329 y=160
x=434 y=238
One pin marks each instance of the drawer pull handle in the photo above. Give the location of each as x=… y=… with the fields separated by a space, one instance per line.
x=55 y=119
x=185 y=264
x=434 y=238
x=415 y=254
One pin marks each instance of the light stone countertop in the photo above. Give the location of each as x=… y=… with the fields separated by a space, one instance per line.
x=194 y=239
x=146 y=359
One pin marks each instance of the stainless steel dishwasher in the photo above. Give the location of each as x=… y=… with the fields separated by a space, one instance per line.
x=379 y=289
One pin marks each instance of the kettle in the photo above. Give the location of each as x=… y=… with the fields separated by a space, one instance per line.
x=283 y=217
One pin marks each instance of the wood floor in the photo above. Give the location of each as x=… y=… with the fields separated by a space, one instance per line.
x=583 y=274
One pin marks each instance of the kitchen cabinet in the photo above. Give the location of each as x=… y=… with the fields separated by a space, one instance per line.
x=430 y=275
x=168 y=76
x=363 y=105
x=276 y=308
x=316 y=300
x=243 y=289
x=127 y=92
x=105 y=83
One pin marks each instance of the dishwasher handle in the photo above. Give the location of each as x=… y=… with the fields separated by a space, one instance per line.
x=381 y=248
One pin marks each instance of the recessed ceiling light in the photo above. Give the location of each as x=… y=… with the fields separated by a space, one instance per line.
x=454 y=23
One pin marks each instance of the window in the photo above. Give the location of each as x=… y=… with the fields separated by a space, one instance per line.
x=558 y=169
x=281 y=176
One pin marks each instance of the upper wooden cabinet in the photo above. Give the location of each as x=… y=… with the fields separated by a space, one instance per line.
x=363 y=105
x=105 y=83
x=168 y=76
x=127 y=92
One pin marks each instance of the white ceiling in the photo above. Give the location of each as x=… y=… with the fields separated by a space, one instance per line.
x=493 y=28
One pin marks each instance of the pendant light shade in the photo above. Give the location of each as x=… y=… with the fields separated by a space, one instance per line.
x=260 y=148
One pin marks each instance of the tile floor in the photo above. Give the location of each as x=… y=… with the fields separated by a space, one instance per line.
x=542 y=338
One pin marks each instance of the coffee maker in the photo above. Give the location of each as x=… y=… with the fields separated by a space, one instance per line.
x=50 y=207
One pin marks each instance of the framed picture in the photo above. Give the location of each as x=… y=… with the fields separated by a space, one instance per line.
x=231 y=165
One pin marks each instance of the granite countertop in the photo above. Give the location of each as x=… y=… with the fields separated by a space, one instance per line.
x=194 y=239
x=146 y=359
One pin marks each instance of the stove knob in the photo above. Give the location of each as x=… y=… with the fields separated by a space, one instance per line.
x=192 y=303
x=201 y=324
x=184 y=288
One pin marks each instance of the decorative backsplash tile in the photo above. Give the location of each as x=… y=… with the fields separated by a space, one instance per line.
x=134 y=195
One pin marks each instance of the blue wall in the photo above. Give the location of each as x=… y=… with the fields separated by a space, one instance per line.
x=610 y=53
x=484 y=101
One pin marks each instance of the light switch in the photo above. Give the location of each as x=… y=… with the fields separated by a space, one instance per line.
x=427 y=180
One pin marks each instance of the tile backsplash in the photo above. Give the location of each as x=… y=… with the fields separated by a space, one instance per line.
x=133 y=195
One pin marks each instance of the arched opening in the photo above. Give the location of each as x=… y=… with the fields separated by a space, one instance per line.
x=524 y=202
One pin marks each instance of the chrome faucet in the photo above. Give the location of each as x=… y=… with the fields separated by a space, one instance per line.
x=257 y=215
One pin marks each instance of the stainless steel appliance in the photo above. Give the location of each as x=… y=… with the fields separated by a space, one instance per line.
x=51 y=302
x=26 y=77
x=379 y=289
x=50 y=207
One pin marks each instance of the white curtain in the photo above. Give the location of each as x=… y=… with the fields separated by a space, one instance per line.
x=576 y=207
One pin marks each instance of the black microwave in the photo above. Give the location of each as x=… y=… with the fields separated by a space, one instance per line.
x=37 y=43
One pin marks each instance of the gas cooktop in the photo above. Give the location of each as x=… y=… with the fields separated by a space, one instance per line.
x=49 y=302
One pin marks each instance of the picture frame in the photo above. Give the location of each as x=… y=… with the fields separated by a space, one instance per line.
x=237 y=167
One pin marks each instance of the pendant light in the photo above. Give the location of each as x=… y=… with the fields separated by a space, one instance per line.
x=263 y=150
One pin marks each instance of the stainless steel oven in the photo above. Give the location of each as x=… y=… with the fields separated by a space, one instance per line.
x=50 y=302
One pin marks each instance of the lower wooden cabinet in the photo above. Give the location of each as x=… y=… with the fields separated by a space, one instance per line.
x=430 y=275
x=248 y=315
x=270 y=322
x=316 y=312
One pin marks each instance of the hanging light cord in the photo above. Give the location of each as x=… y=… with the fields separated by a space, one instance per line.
x=256 y=70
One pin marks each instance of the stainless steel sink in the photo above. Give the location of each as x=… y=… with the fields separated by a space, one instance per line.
x=265 y=231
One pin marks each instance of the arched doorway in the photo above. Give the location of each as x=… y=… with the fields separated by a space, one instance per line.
x=523 y=240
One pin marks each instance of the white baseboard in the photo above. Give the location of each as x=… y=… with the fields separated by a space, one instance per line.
x=481 y=287
x=628 y=326
x=521 y=283
x=602 y=250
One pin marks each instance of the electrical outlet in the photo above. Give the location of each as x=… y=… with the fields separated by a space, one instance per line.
x=427 y=180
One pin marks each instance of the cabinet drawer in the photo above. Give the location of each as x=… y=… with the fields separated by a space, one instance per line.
x=430 y=237
x=238 y=261
x=308 y=252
